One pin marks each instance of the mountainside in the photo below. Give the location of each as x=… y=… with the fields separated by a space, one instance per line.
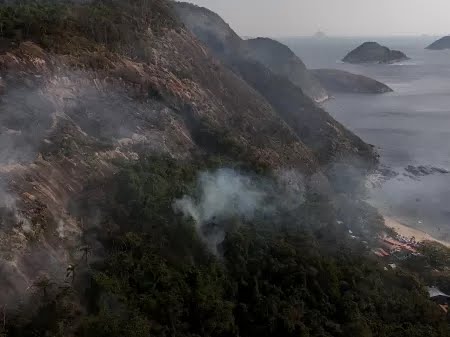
x=329 y=140
x=76 y=100
x=373 y=52
x=210 y=28
x=149 y=189
x=93 y=88
x=441 y=44
x=342 y=81
x=220 y=38
x=282 y=61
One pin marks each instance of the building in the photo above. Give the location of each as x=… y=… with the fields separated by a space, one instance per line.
x=439 y=298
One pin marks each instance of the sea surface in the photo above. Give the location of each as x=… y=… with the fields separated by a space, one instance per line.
x=410 y=126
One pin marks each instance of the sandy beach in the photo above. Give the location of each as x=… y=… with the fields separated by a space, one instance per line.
x=409 y=232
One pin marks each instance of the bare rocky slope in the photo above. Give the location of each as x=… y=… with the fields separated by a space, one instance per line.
x=223 y=40
x=99 y=86
x=329 y=140
x=74 y=101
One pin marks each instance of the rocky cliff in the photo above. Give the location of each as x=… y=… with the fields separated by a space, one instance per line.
x=342 y=81
x=441 y=44
x=223 y=41
x=373 y=52
x=329 y=140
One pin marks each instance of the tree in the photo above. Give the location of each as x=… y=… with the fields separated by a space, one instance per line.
x=70 y=271
x=86 y=250
x=44 y=284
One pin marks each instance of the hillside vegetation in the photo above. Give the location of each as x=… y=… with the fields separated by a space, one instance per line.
x=157 y=277
x=86 y=26
x=134 y=112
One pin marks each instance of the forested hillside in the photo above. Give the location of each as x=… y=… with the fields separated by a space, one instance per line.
x=148 y=190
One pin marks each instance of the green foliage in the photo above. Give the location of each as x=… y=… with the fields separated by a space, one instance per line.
x=165 y=296
x=287 y=287
x=25 y=19
x=144 y=192
x=157 y=277
x=75 y=27
x=437 y=255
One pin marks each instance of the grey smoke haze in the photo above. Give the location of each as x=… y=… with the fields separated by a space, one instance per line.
x=26 y=115
x=408 y=127
x=32 y=122
x=226 y=194
x=342 y=18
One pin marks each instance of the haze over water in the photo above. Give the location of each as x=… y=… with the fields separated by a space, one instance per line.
x=409 y=127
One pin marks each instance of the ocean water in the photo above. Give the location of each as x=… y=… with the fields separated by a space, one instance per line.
x=410 y=126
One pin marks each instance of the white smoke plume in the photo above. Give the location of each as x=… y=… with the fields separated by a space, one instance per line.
x=226 y=194
x=222 y=194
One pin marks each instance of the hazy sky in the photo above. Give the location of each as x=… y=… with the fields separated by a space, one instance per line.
x=335 y=17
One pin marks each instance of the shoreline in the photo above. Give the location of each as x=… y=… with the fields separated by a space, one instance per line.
x=409 y=232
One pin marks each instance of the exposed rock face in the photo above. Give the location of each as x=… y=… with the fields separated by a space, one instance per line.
x=441 y=44
x=342 y=81
x=373 y=52
x=282 y=61
x=220 y=37
x=328 y=139
x=67 y=117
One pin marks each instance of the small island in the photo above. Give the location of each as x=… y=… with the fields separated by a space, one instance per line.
x=344 y=82
x=373 y=52
x=441 y=44
x=319 y=35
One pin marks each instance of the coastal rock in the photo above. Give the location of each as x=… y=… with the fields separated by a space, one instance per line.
x=342 y=81
x=421 y=171
x=381 y=175
x=373 y=52
x=441 y=44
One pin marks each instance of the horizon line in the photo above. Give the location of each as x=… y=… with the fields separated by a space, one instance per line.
x=343 y=36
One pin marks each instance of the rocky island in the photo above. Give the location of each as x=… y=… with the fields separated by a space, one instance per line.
x=441 y=44
x=342 y=81
x=373 y=52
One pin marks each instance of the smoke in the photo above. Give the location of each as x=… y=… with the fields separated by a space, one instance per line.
x=25 y=118
x=291 y=185
x=225 y=194
x=222 y=194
